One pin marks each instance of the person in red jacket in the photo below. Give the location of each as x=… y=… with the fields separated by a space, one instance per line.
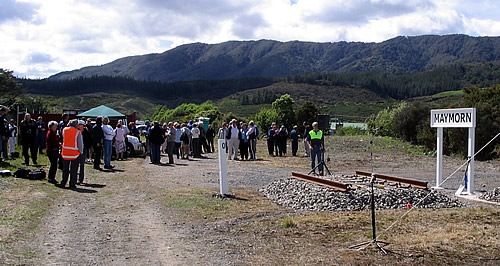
x=52 y=150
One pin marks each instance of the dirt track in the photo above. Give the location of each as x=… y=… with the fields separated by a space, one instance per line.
x=165 y=215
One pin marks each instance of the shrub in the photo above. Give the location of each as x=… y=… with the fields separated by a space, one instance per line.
x=350 y=131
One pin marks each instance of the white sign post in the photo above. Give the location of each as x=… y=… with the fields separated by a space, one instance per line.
x=223 y=167
x=464 y=117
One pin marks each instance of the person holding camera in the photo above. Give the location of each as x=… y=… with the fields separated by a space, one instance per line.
x=315 y=141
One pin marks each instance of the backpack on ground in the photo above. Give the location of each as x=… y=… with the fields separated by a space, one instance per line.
x=37 y=174
x=30 y=174
x=22 y=172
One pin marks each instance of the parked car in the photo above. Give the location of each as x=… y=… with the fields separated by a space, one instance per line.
x=135 y=148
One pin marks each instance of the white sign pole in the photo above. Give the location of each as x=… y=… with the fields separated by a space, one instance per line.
x=464 y=117
x=223 y=167
x=439 y=160
x=470 y=170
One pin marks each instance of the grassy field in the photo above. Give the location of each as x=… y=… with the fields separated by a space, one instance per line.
x=354 y=104
x=448 y=93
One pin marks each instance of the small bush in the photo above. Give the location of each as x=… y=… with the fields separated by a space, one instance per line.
x=288 y=222
x=350 y=131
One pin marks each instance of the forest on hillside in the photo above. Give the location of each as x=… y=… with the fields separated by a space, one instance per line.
x=396 y=86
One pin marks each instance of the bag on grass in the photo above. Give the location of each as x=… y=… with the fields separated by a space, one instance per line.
x=37 y=174
x=22 y=172
x=30 y=174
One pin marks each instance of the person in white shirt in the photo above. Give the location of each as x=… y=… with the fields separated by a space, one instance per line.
x=120 y=136
x=195 y=136
x=233 y=140
x=12 y=137
x=109 y=134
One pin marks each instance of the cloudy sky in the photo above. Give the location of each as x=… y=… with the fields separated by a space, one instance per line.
x=39 y=38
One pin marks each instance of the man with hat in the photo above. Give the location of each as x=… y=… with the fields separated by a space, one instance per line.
x=315 y=141
x=72 y=149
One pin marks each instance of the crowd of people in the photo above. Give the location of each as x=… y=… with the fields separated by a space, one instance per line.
x=183 y=140
x=69 y=144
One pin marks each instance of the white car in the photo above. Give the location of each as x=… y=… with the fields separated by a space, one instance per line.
x=135 y=147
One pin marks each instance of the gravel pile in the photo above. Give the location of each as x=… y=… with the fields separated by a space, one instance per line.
x=493 y=195
x=300 y=195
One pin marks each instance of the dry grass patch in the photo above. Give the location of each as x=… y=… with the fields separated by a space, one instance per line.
x=469 y=236
x=200 y=203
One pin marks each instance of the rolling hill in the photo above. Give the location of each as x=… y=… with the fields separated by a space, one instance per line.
x=268 y=58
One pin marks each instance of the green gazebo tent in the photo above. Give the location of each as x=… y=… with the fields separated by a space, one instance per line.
x=102 y=111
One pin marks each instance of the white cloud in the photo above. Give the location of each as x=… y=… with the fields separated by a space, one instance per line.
x=43 y=37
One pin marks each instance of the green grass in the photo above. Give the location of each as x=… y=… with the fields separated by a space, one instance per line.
x=448 y=93
x=198 y=203
x=380 y=144
x=392 y=144
x=233 y=106
x=288 y=222
x=21 y=212
x=355 y=112
x=14 y=164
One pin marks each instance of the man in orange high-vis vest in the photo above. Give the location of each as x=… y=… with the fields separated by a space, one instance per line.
x=72 y=148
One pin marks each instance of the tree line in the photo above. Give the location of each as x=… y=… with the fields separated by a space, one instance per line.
x=410 y=122
x=396 y=86
x=408 y=85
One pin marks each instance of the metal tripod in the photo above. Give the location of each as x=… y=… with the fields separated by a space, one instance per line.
x=374 y=240
x=321 y=163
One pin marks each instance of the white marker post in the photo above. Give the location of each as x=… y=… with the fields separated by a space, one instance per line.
x=464 y=117
x=223 y=167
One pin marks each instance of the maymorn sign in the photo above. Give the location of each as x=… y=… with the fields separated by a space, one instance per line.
x=464 y=117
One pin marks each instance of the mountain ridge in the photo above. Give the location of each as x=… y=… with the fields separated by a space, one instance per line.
x=269 y=58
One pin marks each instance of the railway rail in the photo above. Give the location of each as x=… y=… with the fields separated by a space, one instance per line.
x=396 y=179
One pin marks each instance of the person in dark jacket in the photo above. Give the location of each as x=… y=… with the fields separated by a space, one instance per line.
x=87 y=143
x=41 y=135
x=4 y=131
x=156 y=138
x=52 y=141
x=294 y=138
x=203 y=138
x=210 y=138
x=97 y=141
x=270 y=139
x=277 y=142
x=28 y=131
x=283 y=140
x=243 y=142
